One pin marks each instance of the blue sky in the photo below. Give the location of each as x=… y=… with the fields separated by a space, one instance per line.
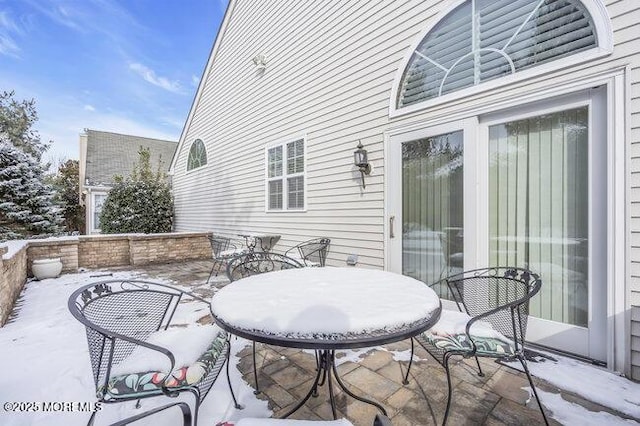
x=129 y=66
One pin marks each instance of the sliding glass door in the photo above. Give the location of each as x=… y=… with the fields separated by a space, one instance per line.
x=432 y=206
x=539 y=207
x=524 y=187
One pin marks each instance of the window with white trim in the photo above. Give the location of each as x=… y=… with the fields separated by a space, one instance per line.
x=482 y=40
x=98 y=203
x=285 y=176
x=197 y=155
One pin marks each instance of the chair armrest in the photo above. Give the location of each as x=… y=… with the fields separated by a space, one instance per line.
x=479 y=317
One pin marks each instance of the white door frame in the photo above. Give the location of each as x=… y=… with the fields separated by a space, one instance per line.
x=591 y=341
x=618 y=333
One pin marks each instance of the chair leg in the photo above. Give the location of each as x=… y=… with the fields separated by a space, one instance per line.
x=196 y=395
x=215 y=263
x=233 y=395
x=535 y=393
x=255 y=370
x=92 y=418
x=480 y=373
x=449 y=387
x=406 y=376
x=184 y=407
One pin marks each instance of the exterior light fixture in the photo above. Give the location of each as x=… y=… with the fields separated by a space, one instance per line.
x=260 y=62
x=362 y=162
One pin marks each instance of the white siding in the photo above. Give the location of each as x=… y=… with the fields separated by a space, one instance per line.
x=330 y=71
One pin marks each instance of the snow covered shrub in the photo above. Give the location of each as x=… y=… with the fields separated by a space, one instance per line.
x=141 y=202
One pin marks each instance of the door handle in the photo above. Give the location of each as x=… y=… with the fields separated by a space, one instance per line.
x=391 y=220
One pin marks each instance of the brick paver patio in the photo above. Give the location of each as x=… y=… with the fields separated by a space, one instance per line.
x=285 y=375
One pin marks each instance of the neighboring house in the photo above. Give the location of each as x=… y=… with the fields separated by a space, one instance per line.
x=500 y=132
x=104 y=155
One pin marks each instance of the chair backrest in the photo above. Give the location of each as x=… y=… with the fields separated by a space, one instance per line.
x=314 y=250
x=258 y=263
x=115 y=310
x=218 y=244
x=500 y=293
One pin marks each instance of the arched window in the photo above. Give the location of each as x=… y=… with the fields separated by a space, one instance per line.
x=197 y=155
x=482 y=40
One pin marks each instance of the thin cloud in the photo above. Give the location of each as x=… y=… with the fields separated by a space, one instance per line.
x=8 y=24
x=95 y=16
x=8 y=47
x=195 y=80
x=70 y=17
x=173 y=122
x=8 y=28
x=150 y=76
x=89 y=108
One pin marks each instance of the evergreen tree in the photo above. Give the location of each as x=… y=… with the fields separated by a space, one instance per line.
x=141 y=202
x=66 y=183
x=16 y=119
x=26 y=202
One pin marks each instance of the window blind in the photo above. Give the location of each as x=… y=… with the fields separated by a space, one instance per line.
x=486 y=39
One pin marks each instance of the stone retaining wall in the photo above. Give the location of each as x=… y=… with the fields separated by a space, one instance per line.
x=13 y=274
x=65 y=249
x=100 y=251
x=96 y=251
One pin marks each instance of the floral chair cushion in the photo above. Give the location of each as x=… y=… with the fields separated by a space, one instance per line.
x=449 y=335
x=129 y=385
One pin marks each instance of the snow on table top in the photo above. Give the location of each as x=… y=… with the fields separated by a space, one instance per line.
x=324 y=302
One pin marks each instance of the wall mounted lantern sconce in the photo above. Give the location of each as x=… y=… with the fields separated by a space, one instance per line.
x=260 y=62
x=362 y=162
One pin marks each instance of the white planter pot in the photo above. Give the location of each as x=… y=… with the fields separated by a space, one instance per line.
x=46 y=268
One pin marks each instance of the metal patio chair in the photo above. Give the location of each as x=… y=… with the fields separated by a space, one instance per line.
x=311 y=253
x=129 y=337
x=222 y=250
x=256 y=263
x=492 y=322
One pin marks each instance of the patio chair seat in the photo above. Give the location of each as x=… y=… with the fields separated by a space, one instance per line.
x=449 y=335
x=310 y=253
x=302 y=260
x=493 y=308
x=145 y=370
x=138 y=349
x=226 y=254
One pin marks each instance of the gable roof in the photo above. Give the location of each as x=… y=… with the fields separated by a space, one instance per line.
x=214 y=49
x=110 y=154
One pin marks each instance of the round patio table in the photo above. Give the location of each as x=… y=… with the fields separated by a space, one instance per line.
x=264 y=242
x=326 y=309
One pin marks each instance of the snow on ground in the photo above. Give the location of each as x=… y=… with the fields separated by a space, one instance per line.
x=568 y=413
x=13 y=247
x=44 y=357
x=588 y=381
x=593 y=383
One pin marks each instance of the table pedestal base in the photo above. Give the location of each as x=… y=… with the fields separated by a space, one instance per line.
x=326 y=372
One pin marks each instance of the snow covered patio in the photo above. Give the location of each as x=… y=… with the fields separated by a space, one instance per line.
x=44 y=358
